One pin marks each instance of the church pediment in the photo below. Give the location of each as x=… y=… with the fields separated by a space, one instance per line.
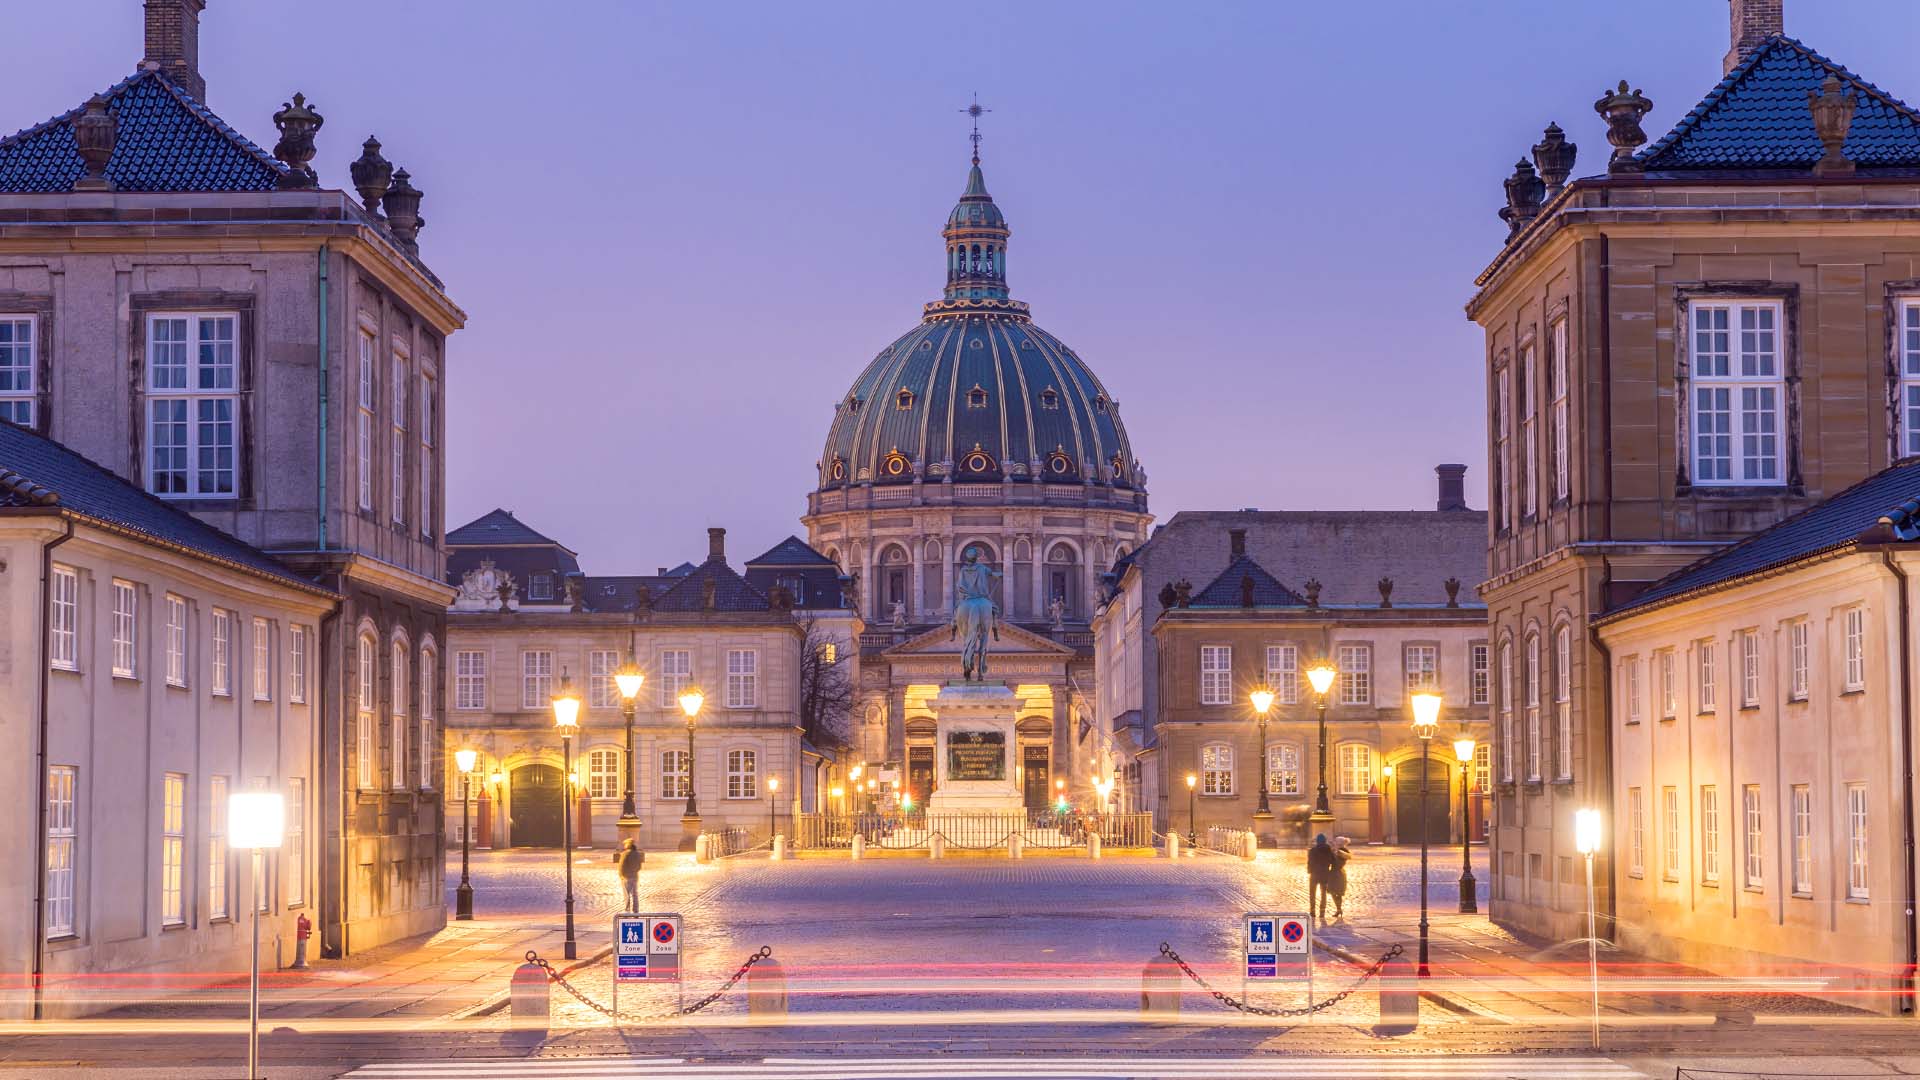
x=1014 y=641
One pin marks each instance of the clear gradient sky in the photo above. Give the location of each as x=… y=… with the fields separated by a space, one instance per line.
x=680 y=230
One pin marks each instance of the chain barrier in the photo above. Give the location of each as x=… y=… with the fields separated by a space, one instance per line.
x=1232 y=1002
x=752 y=959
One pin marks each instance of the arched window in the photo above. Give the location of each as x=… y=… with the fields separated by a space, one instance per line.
x=1356 y=768
x=743 y=780
x=1283 y=769
x=366 y=668
x=673 y=774
x=398 y=736
x=1216 y=769
x=1563 y=702
x=429 y=683
x=1506 y=712
x=1533 y=706
x=903 y=400
x=603 y=773
x=990 y=260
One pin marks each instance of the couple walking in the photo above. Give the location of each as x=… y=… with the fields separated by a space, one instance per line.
x=1327 y=875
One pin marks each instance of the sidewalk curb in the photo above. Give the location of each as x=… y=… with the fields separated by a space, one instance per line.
x=1444 y=1001
x=494 y=1002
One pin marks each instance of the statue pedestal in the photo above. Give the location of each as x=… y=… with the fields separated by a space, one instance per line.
x=975 y=750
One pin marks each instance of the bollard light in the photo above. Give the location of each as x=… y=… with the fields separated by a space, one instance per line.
x=256 y=820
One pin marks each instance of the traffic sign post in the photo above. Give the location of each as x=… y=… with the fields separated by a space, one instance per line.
x=646 y=948
x=1278 y=948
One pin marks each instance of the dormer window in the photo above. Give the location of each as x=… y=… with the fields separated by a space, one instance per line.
x=853 y=404
x=903 y=400
x=977 y=397
x=1100 y=403
x=838 y=470
x=1059 y=464
x=926 y=346
x=895 y=464
x=977 y=461
x=540 y=587
x=1050 y=398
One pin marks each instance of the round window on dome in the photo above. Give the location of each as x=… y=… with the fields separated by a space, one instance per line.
x=838 y=470
x=978 y=462
x=1058 y=464
x=895 y=464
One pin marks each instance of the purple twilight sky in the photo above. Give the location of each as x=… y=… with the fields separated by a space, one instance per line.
x=680 y=230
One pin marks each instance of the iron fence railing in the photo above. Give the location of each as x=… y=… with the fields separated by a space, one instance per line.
x=975 y=831
x=1230 y=841
x=730 y=840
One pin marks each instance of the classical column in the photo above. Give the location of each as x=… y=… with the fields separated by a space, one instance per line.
x=1037 y=552
x=916 y=595
x=947 y=557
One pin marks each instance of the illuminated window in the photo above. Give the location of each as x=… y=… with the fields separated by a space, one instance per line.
x=1356 y=768
x=1738 y=388
x=603 y=773
x=1216 y=769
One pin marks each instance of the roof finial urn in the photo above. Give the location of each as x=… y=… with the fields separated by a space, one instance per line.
x=1553 y=156
x=1525 y=193
x=371 y=175
x=1622 y=109
x=298 y=125
x=1386 y=592
x=94 y=132
x=1832 y=106
x=402 y=201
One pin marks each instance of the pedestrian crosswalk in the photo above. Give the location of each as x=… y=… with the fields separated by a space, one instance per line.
x=1037 y=1067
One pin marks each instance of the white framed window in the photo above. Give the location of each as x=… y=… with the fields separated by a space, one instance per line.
x=673 y=774
x=743 y=779
x=1709 y=834
x=173 y=849
x=1507 y=733
x=536 y=679
x=1356 y=674
x=193 y=445
x=1503 y=448
x=1909 y=389
x=1479 y=660
x=540 y=587
x=469 y=679
x=603 y=773
x=1670 y=850
x=1854 y=630
x=262 y=661
x=64 y=644
x=1557 y=415
x=1636 y=832
x=1563 y=703
x=126 y=628
x=1704 y=661
x=297 y=664
x=363 y=423
x=1533 y=707
x=1283 y=672
x=1529 y=434
x=1283 y=769
x=1749 y=669
x=1750 y=813
x=601 y=691
x=18 y=395
x=743 y=678
x=1802 y=840
x=397 y=744
x=1799 y=654
x=176 y=641
x=1857 y=842
x=1738 y=392
x=397 y=440
x=1423 y=667
x=1216 y=674
x=1630 y=688
x=676 y=671
x=1356 y=768
x=217 y=860
x=429 y=679
x=295 y=841
x=63 y=840
x=1483 y=766
x=1216 y=769
x=363 y=726
x=220 y=667
x=429 y=458
x=1669 y=688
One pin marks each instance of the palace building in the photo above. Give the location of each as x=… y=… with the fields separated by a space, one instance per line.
x=978 y=429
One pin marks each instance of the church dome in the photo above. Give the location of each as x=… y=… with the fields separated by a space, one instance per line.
x=977 y=393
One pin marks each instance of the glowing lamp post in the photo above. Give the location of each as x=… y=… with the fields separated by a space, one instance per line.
x=629 y=679
x=1586 y=840
x=463 y=896
x=1426 y=718
x=1463 y=748
x=1192 y=836
x=256 y=821
x=690 y=701
x=1320 y=676
x=773 y=805
x=566 y=717
x=1262 y=700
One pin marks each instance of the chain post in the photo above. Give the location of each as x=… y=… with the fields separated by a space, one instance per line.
x=1232 y=1002
x=752 y=958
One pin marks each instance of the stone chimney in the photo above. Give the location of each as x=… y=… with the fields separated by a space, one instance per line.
x=173 y=42
x=716 y=545
x=1237 y=542
x=1453 y=487
x=1751 y=23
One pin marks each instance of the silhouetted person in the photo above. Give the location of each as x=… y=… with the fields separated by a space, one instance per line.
x=1320 y=863
x=1337 y=877
x=628 y=860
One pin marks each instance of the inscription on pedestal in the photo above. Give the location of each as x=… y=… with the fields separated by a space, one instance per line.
x=976 y=755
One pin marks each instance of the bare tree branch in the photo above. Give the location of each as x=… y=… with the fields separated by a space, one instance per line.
x=826 y=690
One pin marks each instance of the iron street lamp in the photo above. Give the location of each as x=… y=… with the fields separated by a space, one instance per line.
x=629 y=679
x=566 y=717
x=1320 y=676
x=1463 y=753
x=1426 y=717
x=463 y=896
x=773 y=805
x=1586 y=840
x=1192 y=836
x=256 y=820
x=690 y=701
x=1262 y=702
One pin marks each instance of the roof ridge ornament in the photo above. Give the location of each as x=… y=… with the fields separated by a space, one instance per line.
x=974 y=110
x=1832 y=106
x=298 y=125
x=1553 y=155
x=1622 y=110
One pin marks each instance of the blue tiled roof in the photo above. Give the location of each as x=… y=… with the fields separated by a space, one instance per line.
x=165 y=141
x=1757 y=118
x=792 y=551
x=1267 y=590
x=1826 y=526
x=731 y=592
x=497 y=527
x=85 y=488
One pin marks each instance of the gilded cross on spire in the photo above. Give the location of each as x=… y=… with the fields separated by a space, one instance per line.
x=974 y=110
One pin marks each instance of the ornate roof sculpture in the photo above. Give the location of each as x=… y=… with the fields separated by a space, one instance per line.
x=977 y=393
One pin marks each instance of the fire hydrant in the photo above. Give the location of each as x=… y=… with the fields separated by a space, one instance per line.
x=302 y=930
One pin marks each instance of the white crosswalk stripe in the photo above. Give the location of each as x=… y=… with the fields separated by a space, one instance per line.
x=1356 y=1067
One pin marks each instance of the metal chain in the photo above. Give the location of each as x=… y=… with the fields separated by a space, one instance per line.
x=1228 y=1000
x=752 y=959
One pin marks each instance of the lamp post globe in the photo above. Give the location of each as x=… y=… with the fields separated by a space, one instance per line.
x=1426 y=719
x=566 y=719
x=1320 y=676
x=1463 y=748
x=465 y=759
x=628 y=680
